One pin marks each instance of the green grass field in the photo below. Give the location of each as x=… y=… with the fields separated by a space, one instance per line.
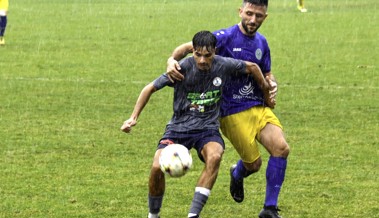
x=72 y=70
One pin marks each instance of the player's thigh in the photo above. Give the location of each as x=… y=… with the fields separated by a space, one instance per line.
x=272 y=138
x=210 y=146
x=241 y=130
x=212 y=150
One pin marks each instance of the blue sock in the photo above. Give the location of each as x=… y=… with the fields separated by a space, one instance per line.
x=275 y=173
x=239 y=171
x=3 y=24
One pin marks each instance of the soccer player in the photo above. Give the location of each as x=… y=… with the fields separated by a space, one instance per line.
x=3 y=19
x=300 y=6
x=194 y=123
x=245 y=118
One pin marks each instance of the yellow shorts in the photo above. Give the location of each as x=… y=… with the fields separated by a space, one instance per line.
x=243 y=128
x=4 y=4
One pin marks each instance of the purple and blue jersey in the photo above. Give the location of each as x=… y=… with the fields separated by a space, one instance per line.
x=241 y=92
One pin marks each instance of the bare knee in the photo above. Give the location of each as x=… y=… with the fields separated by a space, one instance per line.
x=281 y=150
x=214 y=158
x=254 y=166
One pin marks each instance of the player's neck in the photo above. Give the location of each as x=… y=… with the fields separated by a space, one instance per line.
x=243 y=31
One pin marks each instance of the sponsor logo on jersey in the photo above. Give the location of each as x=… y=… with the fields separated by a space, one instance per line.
x=237 y=49
x=200 y=100
x=247 y=89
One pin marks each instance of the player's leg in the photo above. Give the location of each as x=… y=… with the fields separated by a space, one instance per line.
x=156 y=187
x=3 y=19
x=241 y=130
x=300 y=6
x=211 y=154
x=272 y=138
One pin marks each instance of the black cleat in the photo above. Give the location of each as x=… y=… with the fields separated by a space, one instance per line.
x=236 y=187
x=269 y=212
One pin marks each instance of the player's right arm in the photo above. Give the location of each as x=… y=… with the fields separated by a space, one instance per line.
x=173 y=66
x=142 y=100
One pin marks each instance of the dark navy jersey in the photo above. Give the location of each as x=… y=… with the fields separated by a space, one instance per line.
x=242 y=92
x=197 y=98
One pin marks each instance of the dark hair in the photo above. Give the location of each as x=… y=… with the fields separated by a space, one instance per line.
x=256 y=2
x=204 y=38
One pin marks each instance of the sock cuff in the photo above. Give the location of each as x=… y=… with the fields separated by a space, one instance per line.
x=203 y=191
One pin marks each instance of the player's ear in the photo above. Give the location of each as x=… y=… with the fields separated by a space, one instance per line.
x=240 y=11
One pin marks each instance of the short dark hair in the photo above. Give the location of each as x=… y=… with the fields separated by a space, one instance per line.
x=256 y=2
x=204 y=38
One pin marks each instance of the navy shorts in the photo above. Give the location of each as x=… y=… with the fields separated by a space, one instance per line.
x=195 y=140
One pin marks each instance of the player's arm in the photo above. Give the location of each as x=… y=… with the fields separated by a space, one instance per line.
x=255 y=71
x=178 y=54
x=142 y=100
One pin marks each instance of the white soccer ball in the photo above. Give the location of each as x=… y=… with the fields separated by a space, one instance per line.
x=175 y=160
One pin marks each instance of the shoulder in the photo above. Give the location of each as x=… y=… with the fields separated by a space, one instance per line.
x=260 y=37
x=226 y=32
x=228 y=61
x=187 y=62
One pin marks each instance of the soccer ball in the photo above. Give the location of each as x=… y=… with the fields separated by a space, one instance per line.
x=175 y=160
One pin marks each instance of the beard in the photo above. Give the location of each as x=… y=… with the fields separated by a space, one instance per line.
x=249 y=29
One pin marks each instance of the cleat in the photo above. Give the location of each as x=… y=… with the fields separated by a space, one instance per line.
x=300 y=6
x=302 y=9
x=236 y=187
x=269 y=212
x=2 y=41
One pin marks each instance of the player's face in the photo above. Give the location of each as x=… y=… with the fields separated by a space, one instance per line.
x=203 y=58
x=252 y=17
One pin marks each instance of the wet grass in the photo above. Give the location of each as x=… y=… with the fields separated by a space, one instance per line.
x=72 y=70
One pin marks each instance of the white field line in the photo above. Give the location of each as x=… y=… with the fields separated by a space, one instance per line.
x=79 y=80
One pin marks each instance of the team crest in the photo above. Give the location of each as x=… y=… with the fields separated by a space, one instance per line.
x=258 y=54
x=217 y=81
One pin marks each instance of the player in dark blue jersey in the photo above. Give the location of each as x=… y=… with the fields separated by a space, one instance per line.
x=195 y=121
x=245 y=119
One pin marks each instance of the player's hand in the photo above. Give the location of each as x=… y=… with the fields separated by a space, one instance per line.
x=273 y=87
x=128 y=124
x=173 y=68
x=273 y=91
x=270 y=102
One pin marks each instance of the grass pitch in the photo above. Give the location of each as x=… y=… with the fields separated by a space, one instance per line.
x=72 y=70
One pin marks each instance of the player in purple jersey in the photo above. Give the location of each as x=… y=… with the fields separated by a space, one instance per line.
x=195 y=120
x=245 y=119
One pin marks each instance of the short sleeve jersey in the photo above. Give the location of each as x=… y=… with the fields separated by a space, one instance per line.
x=197 y=98
x=242 y=92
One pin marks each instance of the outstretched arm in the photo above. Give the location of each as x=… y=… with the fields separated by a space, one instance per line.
x=173 y=66
x=264 y=83
x=142 y=100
